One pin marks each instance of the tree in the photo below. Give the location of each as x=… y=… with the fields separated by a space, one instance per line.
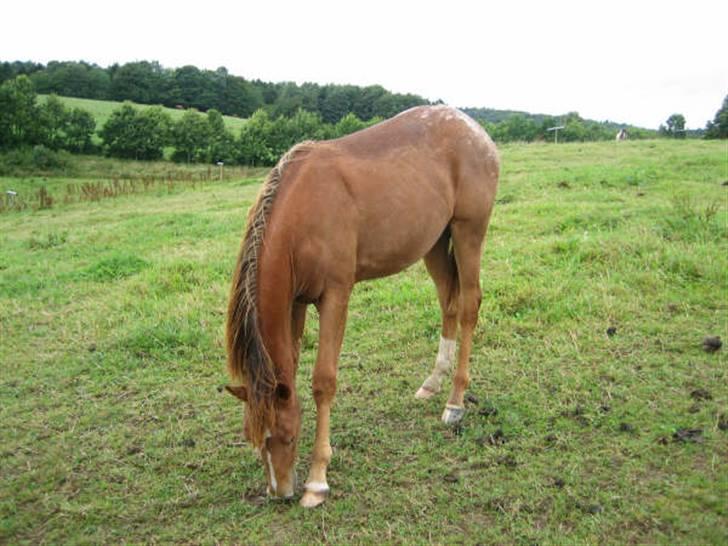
x=190 y=137
x=19 y=120
x=350 y=123
x=131 y=134
x=718 y=128
x=675 y=126
x=79 y=129
x=221 y=143
x=53 y=121
x=254 y=142
x=74 y=79
x=142 y=82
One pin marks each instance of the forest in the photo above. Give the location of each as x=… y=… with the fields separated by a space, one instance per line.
x=147 y=82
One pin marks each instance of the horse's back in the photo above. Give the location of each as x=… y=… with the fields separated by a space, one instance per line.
x=379 y=199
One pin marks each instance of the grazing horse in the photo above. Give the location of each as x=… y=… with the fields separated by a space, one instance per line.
x=332 y=213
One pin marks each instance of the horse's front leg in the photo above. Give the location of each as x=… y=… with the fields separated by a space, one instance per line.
x=332 y=313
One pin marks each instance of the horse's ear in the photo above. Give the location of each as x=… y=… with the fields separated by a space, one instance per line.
x=283 y=392
x=238 y=392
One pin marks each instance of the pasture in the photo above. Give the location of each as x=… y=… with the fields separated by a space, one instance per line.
x=595 y=415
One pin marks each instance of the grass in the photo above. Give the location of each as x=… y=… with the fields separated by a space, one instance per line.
x=102 y=109
x=111 y=351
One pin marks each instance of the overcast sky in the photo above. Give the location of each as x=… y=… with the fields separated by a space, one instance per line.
x=627 y=61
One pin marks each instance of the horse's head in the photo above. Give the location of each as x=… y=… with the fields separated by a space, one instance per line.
x=279 y=444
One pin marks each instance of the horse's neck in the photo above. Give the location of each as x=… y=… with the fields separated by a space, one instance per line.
x=275 y=301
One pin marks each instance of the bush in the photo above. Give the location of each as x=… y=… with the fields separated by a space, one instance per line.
x=24 y=161
x=46 y=159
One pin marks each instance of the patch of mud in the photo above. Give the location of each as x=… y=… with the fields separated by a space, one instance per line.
x=688 y=435
x=497 y=438
x=712 y=343
x=701 y=394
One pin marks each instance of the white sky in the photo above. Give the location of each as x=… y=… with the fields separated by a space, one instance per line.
x=627 y=61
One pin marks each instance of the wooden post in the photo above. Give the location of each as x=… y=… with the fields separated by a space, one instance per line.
x=556 y=132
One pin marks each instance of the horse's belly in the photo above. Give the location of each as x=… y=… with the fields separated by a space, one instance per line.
x=391 y=246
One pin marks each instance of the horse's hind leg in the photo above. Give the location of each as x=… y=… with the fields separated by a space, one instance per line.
x=467 y=243
x=441 y=266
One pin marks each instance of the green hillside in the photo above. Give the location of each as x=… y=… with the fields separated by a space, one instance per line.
x=102 y=109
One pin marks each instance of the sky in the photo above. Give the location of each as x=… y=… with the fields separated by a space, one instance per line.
x=633 y=62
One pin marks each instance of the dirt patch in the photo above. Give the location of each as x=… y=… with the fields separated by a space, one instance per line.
x=701 y=394
x=712 y=343
x=497 y=438
x=688 y=435
x=626 y=427
x=577 y=414
x=487 y=410
x=450 y=478
x=256 y=499
x=509 y=461
x=188 y=442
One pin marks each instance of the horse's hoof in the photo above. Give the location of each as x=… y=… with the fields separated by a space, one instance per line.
x=452 y=414
x=315 y=493
x=312 y=499
x=424 y=394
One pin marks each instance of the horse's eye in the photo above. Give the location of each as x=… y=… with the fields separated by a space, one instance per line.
x=291 y=440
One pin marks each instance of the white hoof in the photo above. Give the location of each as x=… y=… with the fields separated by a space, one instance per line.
x=452 y=414
x=424 y=394
x=315 y=494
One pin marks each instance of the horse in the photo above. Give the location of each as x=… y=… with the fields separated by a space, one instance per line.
x=333 y=213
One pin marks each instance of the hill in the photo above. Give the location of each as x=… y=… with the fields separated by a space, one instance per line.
x=102 y=109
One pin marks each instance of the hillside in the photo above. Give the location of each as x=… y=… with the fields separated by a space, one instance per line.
x=102 y=109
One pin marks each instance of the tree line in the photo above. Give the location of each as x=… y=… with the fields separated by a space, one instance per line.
x=146 y=134
x=147 y=82
x=521 y=127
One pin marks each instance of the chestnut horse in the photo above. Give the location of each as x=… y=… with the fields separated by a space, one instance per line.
x=419 y=185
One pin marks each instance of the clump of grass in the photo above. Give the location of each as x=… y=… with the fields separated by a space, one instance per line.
x=693 y=221
x=118 y=266
x=51 y=240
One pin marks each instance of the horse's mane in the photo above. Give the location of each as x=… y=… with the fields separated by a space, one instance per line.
x=248 y=359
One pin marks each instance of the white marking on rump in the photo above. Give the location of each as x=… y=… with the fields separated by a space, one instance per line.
x=317 y=487
x=474 y=126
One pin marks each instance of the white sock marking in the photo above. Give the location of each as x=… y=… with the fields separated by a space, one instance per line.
x=443 y=363
x=317 y=487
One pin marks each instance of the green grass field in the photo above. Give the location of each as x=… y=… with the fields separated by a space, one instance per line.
x=102 y=109
x=111 y=349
